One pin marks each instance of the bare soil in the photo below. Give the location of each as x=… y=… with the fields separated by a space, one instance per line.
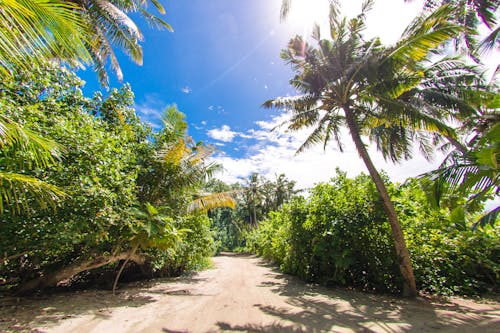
x=241 y=294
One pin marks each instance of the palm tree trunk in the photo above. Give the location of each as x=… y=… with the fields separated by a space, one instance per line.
x=254 y=212
x=409 y=286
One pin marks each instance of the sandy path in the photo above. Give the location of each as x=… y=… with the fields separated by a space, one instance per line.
x=242 y=294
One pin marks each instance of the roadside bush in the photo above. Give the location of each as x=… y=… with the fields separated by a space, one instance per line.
x=126 y=187
x=340 y=236
x=191 y=253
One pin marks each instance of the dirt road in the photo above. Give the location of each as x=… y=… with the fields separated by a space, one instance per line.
x=241 y=294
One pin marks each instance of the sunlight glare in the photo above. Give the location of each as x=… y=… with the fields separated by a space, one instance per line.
x=305 y=13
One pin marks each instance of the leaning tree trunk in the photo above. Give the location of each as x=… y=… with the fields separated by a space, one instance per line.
x=80 y=266
x=123 y=266
x=409 y=286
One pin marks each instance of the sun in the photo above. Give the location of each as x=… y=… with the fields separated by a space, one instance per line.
x=305 y=13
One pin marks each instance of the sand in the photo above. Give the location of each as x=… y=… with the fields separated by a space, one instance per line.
x=241 y=294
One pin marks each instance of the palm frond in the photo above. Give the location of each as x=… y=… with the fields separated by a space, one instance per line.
x=490 y=42
x=489 y=218
x=205 y=201
x=18 y=192
x=42 y=151
x=424 y=34
x=41 y=30
x=155 y=21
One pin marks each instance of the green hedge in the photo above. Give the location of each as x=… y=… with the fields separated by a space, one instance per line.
x=340 y=236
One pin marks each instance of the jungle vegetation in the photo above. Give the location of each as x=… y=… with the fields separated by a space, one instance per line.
x=87 y=189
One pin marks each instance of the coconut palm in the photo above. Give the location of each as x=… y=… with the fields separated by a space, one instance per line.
x=370 y=89
x=253 y=196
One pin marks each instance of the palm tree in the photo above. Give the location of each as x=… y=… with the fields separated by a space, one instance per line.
x=347 y=81
x=277 y=192
x=253 y=196
x=109 y=26
x=179 y=169
x=77 y=32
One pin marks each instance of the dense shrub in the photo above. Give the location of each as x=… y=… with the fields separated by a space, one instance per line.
x=340 y=236
x=126 y=188
x=191 y=253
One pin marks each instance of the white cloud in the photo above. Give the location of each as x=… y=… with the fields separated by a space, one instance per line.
x=274 y=153
x=151 y=110
x=186 y=90
x=154 y=125
x=217 y=108
x=245 y=136
x=222 y=134
x=148 y=111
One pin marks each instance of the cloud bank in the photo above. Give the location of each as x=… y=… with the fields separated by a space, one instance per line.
x=274 y=152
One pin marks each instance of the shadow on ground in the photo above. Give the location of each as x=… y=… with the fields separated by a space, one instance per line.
x=315 y=309
x=22 y=314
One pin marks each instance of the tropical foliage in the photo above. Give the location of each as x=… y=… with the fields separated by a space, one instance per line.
x=77 y=32
x=340 y=235
x=86 y=185
x=110 y=210
x=382 y=92
x=255 y=199
x=34 y=31
x=471 y=15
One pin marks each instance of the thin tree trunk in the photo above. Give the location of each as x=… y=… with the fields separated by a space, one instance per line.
x=409 y=286
x=254 y=216
x=69 y=271
x=122 y=267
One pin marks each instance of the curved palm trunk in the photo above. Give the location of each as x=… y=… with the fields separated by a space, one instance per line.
x=409 y=287
x=254 y=216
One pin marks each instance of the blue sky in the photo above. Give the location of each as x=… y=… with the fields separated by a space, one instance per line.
x=222 y=62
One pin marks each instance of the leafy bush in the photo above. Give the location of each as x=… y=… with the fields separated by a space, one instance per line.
x=190 y=253
x=115 y=173
x=340 y=236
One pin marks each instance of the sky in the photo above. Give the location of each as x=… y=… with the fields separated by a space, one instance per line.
x=222 y=62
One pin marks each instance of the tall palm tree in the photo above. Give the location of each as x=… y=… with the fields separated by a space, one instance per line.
x=347 y=81
x=253 y=196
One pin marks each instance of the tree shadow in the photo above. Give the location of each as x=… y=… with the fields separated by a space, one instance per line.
x=315 y=309
x=25 y=314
